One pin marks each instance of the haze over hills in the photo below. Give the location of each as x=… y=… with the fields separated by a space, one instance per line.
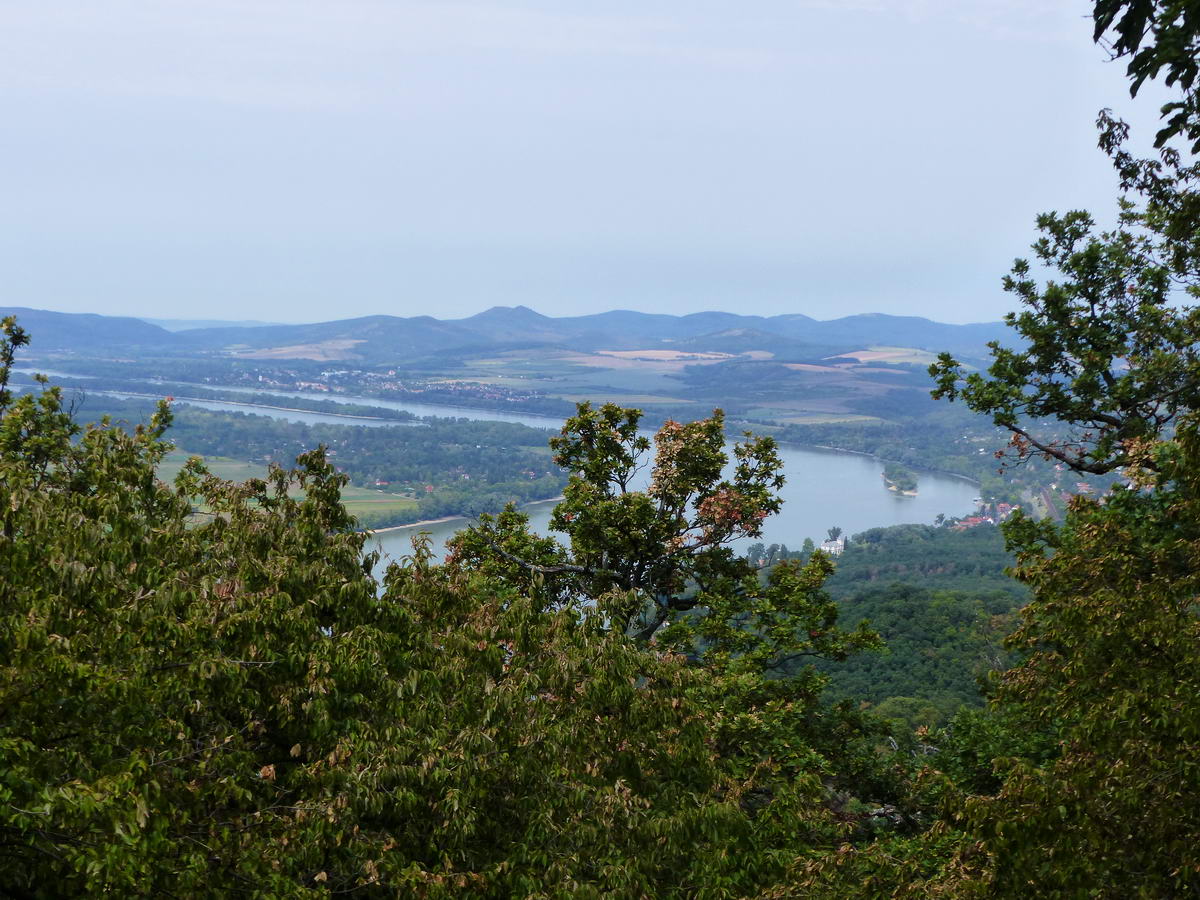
x=384 y=338
x=83 y=331
x=187 y=324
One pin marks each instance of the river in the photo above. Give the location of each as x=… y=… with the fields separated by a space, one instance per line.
x=823 y=488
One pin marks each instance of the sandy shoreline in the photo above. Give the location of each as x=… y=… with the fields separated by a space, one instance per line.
x=444 y=519
x=392 y=528
x=895 y=488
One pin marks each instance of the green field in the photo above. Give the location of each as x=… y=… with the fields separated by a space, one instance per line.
x=222 y=467
x=358 y=500
x=654 y=381
x=561 y=373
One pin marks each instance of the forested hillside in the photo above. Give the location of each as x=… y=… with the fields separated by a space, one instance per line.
x=943 y=604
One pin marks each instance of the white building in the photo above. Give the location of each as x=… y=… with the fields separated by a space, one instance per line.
x=834 y=548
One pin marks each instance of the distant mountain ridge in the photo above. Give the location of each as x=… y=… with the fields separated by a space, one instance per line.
x=84 y=332
x=189 y=324
x=385 y=338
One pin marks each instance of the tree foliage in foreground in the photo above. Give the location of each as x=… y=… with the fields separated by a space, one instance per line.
x=657 y=559
x=1110 y=361
x=1111 y=351
x=233 y=705
x=1112 y=647
x=1159 y=38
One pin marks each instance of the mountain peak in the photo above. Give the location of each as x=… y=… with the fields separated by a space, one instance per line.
x=507 y=312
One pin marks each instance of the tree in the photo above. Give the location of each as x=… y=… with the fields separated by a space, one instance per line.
x=1109 y=352
x=655 y=566
x=1158 y=37
x=1074 y=782
x=153 y=675
x=1112 y=651
x=1109 y=362
x=659 y=555
x=834 y=533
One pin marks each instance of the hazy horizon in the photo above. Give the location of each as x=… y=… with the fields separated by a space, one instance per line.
x=259 y=323
x=307 y=162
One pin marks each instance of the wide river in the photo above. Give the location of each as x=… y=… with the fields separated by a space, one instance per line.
x=823 y=488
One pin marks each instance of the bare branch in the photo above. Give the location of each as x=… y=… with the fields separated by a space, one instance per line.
x=543 y=570
x=1075 y=462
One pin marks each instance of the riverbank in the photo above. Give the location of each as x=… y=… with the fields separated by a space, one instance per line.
x=390 y=529
x=295 y=409
x=945 y=473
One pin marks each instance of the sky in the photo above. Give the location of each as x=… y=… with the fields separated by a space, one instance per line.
x=306 y=160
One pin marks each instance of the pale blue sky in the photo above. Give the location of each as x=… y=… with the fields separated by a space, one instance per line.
x=297 y=160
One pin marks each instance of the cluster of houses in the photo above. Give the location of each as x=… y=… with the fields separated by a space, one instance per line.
x=987 y=514
x=341 y=381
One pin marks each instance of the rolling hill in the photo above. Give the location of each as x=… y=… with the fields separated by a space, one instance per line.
x=383 y=339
